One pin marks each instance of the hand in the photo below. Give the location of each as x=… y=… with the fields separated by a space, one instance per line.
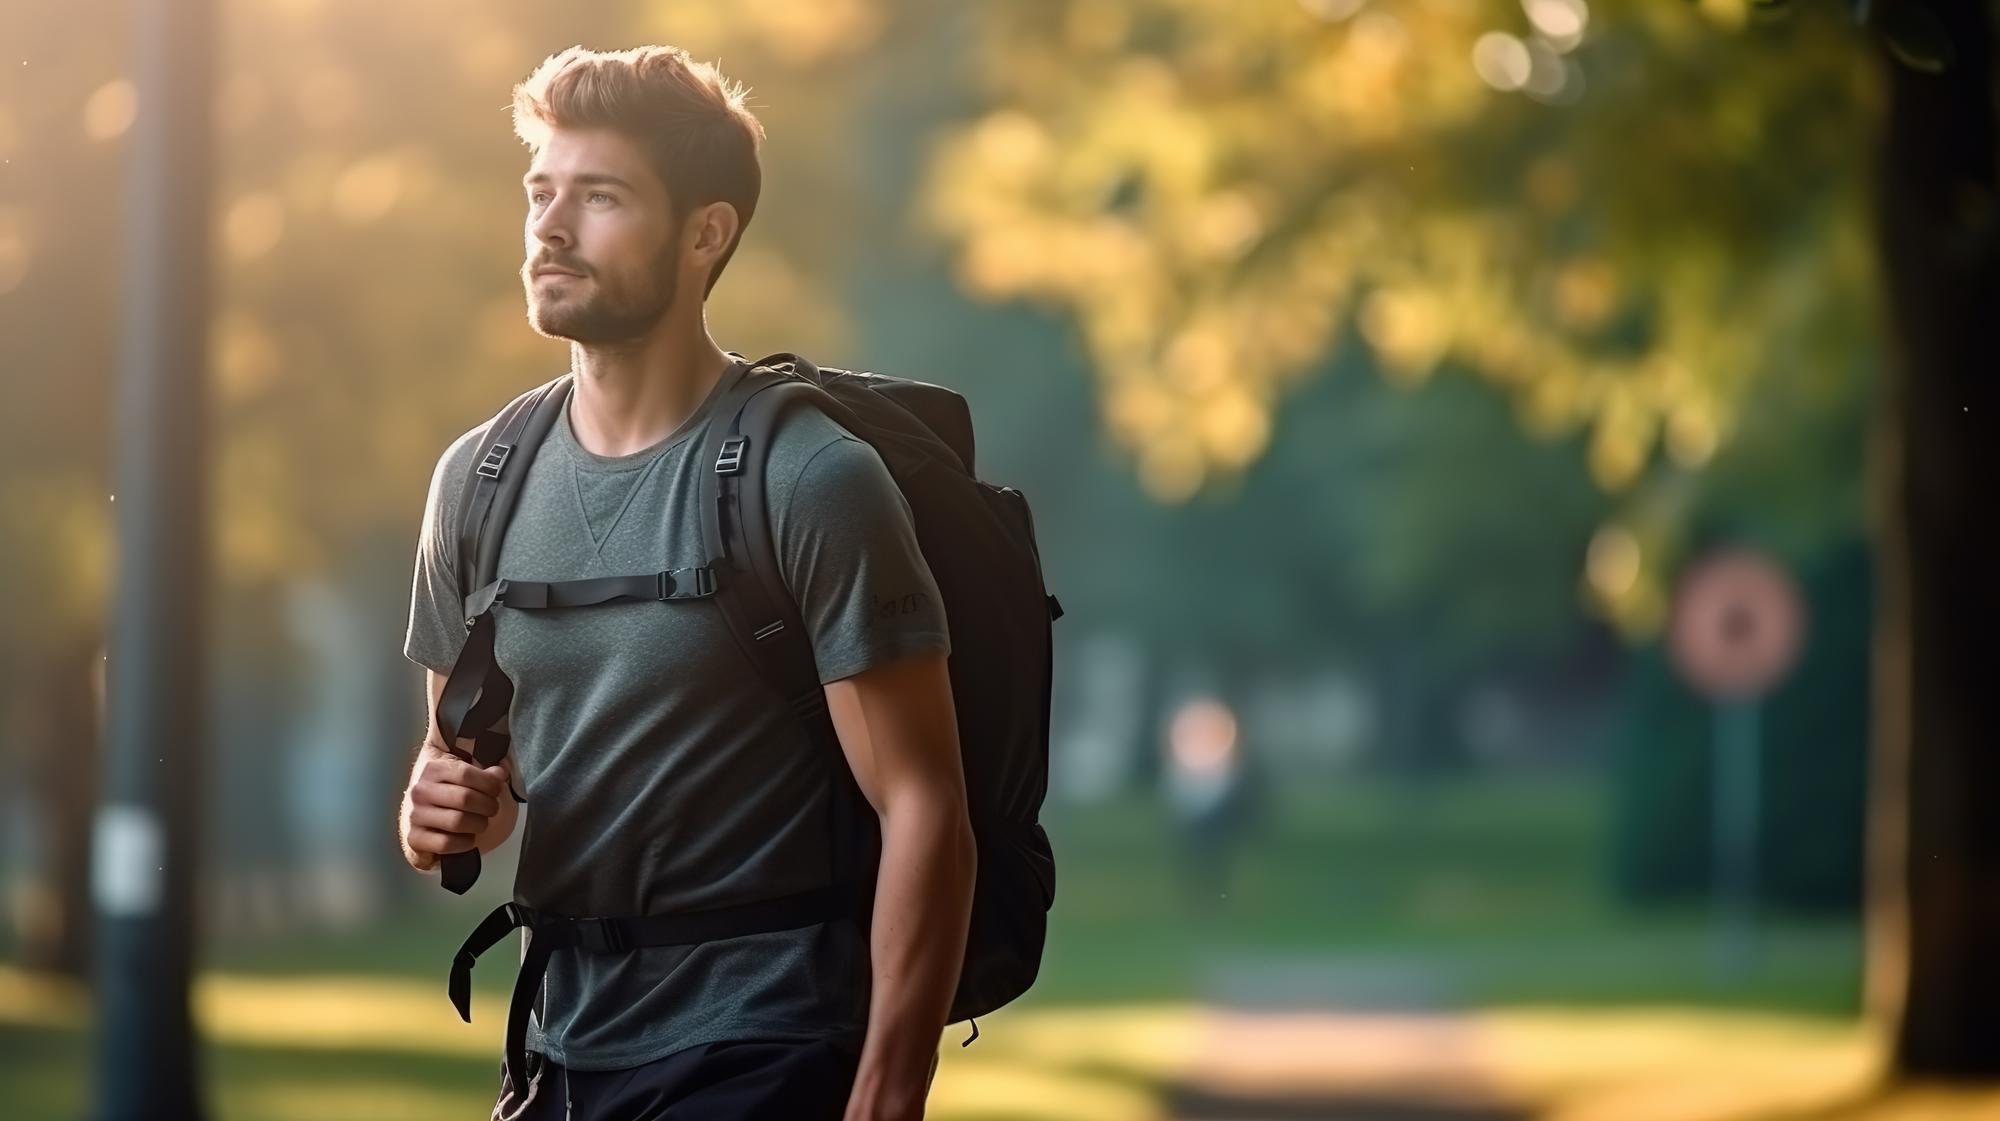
x=449 y=805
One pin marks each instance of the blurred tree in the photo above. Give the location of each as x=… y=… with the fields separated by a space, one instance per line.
x=1212 y=190
x=1935 y=855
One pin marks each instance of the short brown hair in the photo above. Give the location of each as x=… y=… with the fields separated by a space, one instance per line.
x=701 y=138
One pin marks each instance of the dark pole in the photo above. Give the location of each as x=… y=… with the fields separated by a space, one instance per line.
x=145 y=842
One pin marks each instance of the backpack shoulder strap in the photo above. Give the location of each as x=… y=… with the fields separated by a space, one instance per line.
x=736 y=529
x=494 y=485
x=476 y=694
x=754 y=599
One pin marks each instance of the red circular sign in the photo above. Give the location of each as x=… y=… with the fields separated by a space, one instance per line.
x=1737 y=624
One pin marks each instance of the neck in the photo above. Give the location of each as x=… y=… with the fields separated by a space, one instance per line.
x=631 y=395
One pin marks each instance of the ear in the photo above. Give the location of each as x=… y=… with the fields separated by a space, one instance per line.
x=711 y=230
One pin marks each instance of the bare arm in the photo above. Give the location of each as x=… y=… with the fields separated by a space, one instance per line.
x=450 y=805
x=899 y=732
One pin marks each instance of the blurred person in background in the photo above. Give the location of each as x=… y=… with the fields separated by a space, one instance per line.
x=662 y=780
x=1211 y=792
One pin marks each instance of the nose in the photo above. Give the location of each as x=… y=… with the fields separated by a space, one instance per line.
x=551 y=226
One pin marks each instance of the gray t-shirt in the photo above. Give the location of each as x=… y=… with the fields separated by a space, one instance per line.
x=661 y=774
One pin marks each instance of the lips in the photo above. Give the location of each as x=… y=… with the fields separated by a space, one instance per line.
x=544 y=273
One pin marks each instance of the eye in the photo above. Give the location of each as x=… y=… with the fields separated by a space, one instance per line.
x=599 y=195
x=538 y=197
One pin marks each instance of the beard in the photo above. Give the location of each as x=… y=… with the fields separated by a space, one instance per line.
x=608 y=312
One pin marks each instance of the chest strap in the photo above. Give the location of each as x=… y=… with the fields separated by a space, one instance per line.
x=537 y=595
x=548 y=933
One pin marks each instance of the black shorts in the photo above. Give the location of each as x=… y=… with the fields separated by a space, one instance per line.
x=737 y=1080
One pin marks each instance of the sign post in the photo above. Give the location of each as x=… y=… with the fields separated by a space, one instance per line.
x=1735 y=631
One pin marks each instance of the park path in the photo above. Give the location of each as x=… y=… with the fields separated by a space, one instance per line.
x=1335 y=1039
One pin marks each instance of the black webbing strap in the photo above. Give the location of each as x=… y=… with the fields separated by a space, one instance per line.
x=536 y=595
x=548 y=933
x=509 y=438
x=467 y=685
x=476 y=695
x=736 y=531
x=757 y=604
x=722 y=456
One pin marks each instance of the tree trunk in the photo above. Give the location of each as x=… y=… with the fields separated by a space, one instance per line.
x=1934 y=832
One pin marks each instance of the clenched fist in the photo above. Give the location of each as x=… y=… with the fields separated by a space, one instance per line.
x=453 y=806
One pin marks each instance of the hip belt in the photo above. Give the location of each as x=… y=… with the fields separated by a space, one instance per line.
x=549 y=932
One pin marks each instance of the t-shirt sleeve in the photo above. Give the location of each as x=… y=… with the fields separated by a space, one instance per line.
x=847 y=545
x=437 y=622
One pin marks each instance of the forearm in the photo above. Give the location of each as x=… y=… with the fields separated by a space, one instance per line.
x=923 y=902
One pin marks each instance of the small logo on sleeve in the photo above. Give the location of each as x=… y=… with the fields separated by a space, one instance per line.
x=896 y=606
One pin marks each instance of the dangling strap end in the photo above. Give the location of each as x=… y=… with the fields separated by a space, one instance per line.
x=460 y=986
x=458 y=871
x=490 y=930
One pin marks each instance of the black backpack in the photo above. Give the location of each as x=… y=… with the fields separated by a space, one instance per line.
x=979 y=542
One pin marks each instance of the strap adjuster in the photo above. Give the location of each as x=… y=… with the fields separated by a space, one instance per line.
x=496 y=458
x=602 y=935
x=730 y=462
x=666 y=586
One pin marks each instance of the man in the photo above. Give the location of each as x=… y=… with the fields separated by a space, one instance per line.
x=659 y=773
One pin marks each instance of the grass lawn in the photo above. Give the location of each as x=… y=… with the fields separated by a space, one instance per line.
x=1484 y=898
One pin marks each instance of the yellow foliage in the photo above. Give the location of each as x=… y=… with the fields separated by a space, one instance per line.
x=1260 y=173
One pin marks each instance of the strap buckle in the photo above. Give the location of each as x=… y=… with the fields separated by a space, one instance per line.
x=496 y=458
x=730 y=462
x=685 y=583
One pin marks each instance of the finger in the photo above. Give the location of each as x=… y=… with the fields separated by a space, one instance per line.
x=457 y=772
x=457 y=798
x=481 y=779
x=436 y=790
x=439 y=843
x=444 y=820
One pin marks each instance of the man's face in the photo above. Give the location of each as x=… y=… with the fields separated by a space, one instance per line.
x=603 y=251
